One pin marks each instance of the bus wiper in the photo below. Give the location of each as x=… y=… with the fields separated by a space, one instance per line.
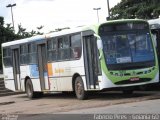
x=135 y=46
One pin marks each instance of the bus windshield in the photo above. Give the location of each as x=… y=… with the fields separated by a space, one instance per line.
x=128 y=49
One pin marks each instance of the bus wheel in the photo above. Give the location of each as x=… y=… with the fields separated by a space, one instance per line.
x=79 y=89
x=29 y=90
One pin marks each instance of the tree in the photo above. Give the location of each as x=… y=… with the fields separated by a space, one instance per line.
x=1 y=21
x=32 y=33
x=130 y=9
x=39 y=29
x=21 y=30
x=60 y=29
x=6 y=34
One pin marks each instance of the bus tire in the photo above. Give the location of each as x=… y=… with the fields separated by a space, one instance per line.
x=29 y=90
x=81 y=94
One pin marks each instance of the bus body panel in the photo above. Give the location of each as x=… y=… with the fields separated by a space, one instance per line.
x=107 y=83
x=24 y=72
x=8 y=73
x=36 y=84
x=84 y=82
x=62 y=73
x=8 y=78
x=22 y=85
x=9 y=84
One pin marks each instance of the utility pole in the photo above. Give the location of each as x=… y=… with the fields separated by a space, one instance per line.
x=108 y=7
x=11 y=5
x=97 y=12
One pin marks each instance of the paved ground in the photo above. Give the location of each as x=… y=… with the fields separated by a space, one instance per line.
x=60 y=103
x=143 y=107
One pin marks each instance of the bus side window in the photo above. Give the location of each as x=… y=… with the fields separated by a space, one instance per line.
x=60 y=46
x=52 y=49
x=7 y=59
x=63 y=48
x=66 y=48
x=49 y=50
x=76 y=47
x=24 y=54
x=32 y=53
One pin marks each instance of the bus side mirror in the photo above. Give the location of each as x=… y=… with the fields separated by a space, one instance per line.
x=99 y=46
x=99 y=42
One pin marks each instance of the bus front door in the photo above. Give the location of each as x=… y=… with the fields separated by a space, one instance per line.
x=42 y=63
x=16 y=68
x=91 y=61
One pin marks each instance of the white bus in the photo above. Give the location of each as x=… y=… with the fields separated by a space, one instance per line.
x=115 y=54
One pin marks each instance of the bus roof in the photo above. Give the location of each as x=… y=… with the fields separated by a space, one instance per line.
x=40 y=37
x=154 y=23
x=126 y=20
x=21 y=41
x=66 y=31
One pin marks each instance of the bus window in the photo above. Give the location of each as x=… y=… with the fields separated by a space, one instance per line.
x=76 y=47
x=49 y=49
x=24 y=54
x=52 y=49
x=63 y=48
x=66 y=48
x=7 y=59
x=60 y=43
x=32 y=53
x=49 y=45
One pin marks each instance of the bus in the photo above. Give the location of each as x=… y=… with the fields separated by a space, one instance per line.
x=155 y=30
x=110 y=55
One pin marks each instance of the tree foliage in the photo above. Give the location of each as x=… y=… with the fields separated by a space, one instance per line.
x=130 y=9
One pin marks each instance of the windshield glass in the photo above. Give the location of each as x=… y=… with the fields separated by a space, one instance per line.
x=128 y=50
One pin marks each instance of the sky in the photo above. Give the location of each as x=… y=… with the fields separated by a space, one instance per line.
x=54 y=14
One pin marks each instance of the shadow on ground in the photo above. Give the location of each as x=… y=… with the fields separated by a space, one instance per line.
x=111 y=95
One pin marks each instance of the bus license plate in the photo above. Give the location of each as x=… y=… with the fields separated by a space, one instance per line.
x=134 y=79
